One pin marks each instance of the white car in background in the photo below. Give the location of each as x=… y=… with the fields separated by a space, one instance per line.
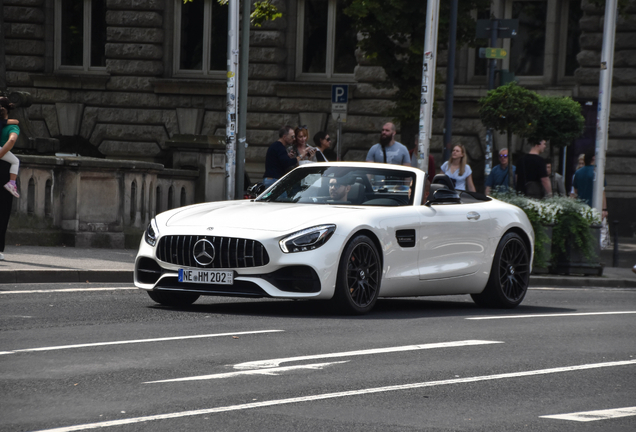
x=349 y=232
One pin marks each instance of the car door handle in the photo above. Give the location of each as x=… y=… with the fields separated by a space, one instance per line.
x=473 y=216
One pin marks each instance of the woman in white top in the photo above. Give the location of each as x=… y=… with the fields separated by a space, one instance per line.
x=457 y=169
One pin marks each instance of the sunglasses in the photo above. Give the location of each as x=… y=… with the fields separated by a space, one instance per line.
x=503 y=156
x=328 y=139
x=302 y=127
x=335 y=185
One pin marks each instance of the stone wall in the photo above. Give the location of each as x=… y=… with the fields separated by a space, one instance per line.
x=620 y=167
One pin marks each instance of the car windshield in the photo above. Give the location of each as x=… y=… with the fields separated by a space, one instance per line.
x=320 y=184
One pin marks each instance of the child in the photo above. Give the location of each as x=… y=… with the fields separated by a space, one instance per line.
x=9 y=132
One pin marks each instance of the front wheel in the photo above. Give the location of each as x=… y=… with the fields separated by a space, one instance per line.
x=173 y=299
x=509 y=275
x=359 y=276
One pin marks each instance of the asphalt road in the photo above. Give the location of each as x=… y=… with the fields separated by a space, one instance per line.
x=91 y=356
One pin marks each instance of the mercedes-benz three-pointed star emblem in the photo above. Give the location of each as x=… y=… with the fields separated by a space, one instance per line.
x=203 y=252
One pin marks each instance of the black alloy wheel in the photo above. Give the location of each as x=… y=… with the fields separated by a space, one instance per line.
x=509 y=275
x=173 y=299
x=359 y=276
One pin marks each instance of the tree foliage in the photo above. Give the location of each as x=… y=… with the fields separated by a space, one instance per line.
x=263 y=11
x=560 y=121
x=393 y=37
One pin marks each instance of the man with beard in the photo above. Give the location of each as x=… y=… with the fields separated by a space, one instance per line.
x=339 y=188
x=388 y=150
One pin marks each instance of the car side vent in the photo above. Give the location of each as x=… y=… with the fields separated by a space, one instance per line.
x=405 y=238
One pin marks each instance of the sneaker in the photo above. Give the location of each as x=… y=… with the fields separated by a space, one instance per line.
x=12 y=189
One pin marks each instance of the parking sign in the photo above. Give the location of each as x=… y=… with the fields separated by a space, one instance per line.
x=339 y=94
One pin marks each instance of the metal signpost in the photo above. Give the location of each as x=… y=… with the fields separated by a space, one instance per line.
x=339 y=101
x=604 y=100
x=494 y=29
x=428 y=84
x=231 y=103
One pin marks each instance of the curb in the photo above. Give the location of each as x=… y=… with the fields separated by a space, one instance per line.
x=65 y=276
x=590 y=281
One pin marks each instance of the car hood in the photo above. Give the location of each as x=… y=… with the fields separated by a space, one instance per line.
x=262 y=216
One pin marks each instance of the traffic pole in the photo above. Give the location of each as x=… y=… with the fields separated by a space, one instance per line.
x=428 y=84
x=231 y=101
x=604 y=100
x=242 y=101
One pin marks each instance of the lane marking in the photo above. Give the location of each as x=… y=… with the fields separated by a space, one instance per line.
x=68 y=290
x=61 y=347
x=269 y=371
x=551 y=315
x=587 y=416
x=260 y=364
x=335 y=395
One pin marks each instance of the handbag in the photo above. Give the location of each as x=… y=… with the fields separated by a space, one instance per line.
x=605 y=235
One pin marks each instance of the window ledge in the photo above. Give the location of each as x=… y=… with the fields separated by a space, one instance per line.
x=86 y=81
x=214 y=87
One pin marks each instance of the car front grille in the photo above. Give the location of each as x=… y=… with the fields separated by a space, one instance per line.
x=229 y=252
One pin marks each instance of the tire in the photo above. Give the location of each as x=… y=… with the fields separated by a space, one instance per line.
x=173 y=299
x=509 y=275
x=359 y=277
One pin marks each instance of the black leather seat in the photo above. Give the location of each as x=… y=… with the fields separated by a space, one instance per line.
x=356 y=194
x=444 y=180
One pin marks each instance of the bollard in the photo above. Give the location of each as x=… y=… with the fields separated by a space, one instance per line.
x=615 y=257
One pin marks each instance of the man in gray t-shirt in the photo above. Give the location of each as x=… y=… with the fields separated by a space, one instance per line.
x=388 y=150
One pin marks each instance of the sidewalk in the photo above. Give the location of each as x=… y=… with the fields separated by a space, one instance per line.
x=39 y=264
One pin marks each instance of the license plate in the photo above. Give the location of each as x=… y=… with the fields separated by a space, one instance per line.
x=206 y=277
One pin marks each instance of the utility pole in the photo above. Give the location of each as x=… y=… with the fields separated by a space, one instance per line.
x=231 y=102
x=604 y=100
x=242 y=100
x=450 y=80
x=428 y=84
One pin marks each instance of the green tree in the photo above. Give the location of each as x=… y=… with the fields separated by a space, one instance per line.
x=560 y=121
x=263 y=11
x=510 y=109
x=393 y=37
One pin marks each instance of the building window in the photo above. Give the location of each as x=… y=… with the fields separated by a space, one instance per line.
x=572 y=14
x=80 y=35
x=527 y=49
x=200 y=38
x=326 y=44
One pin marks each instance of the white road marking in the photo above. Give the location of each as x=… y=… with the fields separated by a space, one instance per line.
x=587 y=416
x=269 y=371
x=260 y=364
x=68 y=290
x=551 y=315
x=61 y=347
x=335 y=395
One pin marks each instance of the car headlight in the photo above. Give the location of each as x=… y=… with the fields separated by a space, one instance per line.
x=307 y=239
x=151 y=233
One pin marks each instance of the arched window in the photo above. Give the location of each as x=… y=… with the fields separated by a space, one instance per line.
x=158 y=204
x=170 y=198
x=183 y=197
x=143 y=202
x=48 y=211
x=31 y=197
x=133 y=201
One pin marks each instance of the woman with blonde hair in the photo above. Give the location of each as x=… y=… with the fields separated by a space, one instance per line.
x=300 y=147
x=457 y=169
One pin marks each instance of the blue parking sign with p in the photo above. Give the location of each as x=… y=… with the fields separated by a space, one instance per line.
x=339 y=93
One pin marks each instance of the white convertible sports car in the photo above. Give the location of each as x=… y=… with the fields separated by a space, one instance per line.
x=349 y=232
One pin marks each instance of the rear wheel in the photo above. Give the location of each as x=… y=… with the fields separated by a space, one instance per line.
x=509 y=275
x=174 y=299
x=359 y=276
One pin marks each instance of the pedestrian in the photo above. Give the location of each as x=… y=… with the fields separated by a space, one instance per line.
x=532 y=177
x=430 y=174
x=458 y=170
x=300 y=146
x=8 y=138
x=499 y=178
x=323 y=143
x=388 y=150
x=580 y=164
x=583 y=183
x=277 y=160
x=556 y=180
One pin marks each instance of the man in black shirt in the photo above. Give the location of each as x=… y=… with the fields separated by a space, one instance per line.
x=532 y=176
x=277 y=160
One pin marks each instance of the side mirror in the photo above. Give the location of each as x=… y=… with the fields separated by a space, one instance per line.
x=445 y=196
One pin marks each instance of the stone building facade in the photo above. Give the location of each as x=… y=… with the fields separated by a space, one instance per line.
x=127 y=79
